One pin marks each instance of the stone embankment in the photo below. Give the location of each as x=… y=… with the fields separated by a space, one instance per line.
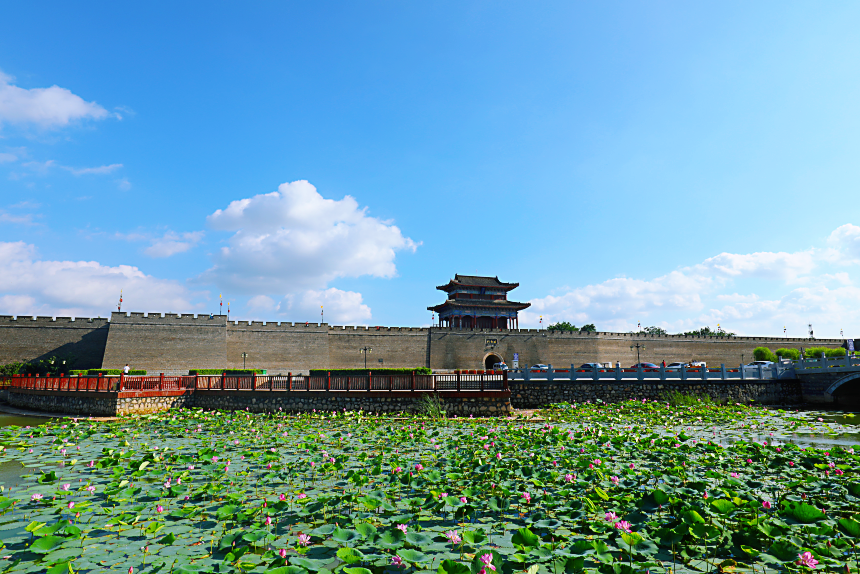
x=489 y=403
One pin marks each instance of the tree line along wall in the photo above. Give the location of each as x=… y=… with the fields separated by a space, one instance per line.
x=174 y=343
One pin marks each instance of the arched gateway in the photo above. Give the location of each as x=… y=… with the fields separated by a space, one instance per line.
x=490 y=360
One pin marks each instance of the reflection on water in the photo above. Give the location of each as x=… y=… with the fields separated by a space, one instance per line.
x=11 y=470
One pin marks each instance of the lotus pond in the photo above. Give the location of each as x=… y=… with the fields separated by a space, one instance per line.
x=631 y=487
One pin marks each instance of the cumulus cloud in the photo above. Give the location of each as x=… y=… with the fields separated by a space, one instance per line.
x=343 y=307
x=8 y=157
x=172 y=243
x=32 y=286
x=294 y=239
x=45 y=107
x=801 y=288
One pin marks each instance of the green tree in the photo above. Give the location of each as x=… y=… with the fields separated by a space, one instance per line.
x=590 y=328
x=562 y=326
x=707 y=332
x=654 y=331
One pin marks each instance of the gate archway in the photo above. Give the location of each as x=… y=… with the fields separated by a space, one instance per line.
x=491 y=360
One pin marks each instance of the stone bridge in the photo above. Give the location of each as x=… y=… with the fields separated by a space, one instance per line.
x=830 y=381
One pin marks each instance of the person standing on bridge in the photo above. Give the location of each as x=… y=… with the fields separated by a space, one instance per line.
x=125 y=369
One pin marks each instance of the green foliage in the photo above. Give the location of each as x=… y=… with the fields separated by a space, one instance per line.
x=590 y=328
x=356 y=372
x=563 y=327
x=51 y=366
x=228 y=372
x=763 y=354
x=10 y=369
x=679 y=399
x=815 y=352
x=706 y=332
x=792 y=354
x=431 y=406
x=654 y=331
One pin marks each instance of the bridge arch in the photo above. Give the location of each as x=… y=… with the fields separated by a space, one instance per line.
x=841 y=381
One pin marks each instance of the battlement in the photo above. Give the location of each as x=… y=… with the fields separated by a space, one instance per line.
x=25 y=321
x=191 y=319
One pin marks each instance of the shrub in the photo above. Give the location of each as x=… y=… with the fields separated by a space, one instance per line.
x=227 y=372
x=815 y=352
x=353 y=372
x=763 y=354
x=10 y=369
x=792 y=354
x=106 y=372
x=431 y=406
x=563 y=326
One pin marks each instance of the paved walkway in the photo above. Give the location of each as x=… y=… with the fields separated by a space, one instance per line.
x=10 y=410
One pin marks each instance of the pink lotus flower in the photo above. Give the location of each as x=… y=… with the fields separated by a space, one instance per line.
x=734 y=475
x=36 y=497
x=807 y=559
x=402 y=528
x=749 y=461
x=596 y=462
x=91 y=488
x=65 y=486
x=397 y=562
x=623 y=526
x=838 y=472
x=614 y=480
x=419 y=467
x=304 y=540
x=528 y=497
x=282 y=497
x=568 y=478
x=71 y=505
x=463 y=499
x=487 y=560
x=705 y=496
x=498 y=456
x=302 y=495
x=268 y=521
x=283 y=552
x=610 y=516
x=91 y=463
x=159 y=509
x=766 y=505
x=632 y=466
x=453 y=537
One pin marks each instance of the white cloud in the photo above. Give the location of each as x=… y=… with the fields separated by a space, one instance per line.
x=293 y=242
x=340 y=307
x=172 y=243
x=102 y=169
x=844 y=245
x=123 y=184
x=801 y=289
x=26 y=219
x=45 y=107
x=82 y=288
x=8 y=157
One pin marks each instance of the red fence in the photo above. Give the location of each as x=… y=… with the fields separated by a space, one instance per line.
x=290 y=382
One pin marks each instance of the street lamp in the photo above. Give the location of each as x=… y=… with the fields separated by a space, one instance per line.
x=637 y=346
x=244 y=356
x=365 y=350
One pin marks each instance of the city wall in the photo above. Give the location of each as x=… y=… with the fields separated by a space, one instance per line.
x=31 y=338
x=174 y=343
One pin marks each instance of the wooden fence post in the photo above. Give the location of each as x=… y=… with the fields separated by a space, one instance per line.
x=161 y=382
x=99 y=382
x=223 y=377
x=328 y=381
x=254 y=381
x=413 y=381
x=290 y=381
x=458 y=382
x=482 y=383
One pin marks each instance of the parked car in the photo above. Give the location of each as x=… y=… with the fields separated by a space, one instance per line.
x=676 y=366
x=500 y=367
x=539 y=367
x=588 y=367
x=646 y=366
x=757 y=363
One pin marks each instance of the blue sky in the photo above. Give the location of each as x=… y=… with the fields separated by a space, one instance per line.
x=673 y=164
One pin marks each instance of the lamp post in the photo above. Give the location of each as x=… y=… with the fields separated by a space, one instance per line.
x=244 y=356
x=322 y=316
x=637 y=346
x=365 y=351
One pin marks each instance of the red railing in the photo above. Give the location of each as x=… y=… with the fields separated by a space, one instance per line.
x=330 y=383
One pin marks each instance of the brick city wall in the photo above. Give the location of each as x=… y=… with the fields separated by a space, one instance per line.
x=29 y=338
x=174 y=343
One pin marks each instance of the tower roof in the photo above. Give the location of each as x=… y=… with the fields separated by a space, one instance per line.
x=476 y=281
